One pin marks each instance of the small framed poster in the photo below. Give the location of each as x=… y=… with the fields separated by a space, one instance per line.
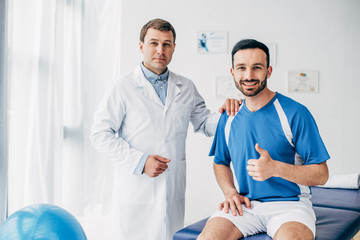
x=212 y=42
x=272 y=52
x=225 y=88
x=303 y=81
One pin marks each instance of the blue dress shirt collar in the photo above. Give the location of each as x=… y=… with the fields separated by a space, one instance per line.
x=152 y=77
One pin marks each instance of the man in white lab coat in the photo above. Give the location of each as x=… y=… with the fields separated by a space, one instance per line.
x=142 y=124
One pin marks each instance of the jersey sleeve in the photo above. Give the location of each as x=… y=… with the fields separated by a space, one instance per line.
x=219 y=148
x=307 y=139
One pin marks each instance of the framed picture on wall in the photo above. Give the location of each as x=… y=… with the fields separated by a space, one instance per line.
x=303 y=81
x=225 y=88
x=212 y=42
x=272 y=52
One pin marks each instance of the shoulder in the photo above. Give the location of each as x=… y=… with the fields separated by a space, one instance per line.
x=125 y=80
x=297 y=114
x=121 y=87
x=292 y=107
x=180 y=79
x=223 y=119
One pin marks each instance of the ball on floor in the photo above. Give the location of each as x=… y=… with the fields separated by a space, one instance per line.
x=42 y=221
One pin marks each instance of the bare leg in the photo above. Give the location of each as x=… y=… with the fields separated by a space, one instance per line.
x=219 y=228
x=294 y=231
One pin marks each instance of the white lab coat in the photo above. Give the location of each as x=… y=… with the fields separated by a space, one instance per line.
x=132 y=120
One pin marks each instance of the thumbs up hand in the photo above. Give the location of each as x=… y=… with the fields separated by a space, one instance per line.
x=262 y=168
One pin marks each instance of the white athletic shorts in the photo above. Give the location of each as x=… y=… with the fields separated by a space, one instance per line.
x=269 y=216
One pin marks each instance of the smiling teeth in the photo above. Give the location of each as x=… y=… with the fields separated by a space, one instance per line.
x=249 y=84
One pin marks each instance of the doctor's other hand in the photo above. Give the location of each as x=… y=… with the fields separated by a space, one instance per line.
x=231 y=106
x=155 y=165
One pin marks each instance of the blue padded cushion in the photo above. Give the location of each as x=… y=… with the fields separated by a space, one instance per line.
x=191 y=232
x=339 y=224
x=337 y=212
x=336 y=198
x=331 y=224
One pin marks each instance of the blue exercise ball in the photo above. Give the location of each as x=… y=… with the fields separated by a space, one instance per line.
x=41 y=222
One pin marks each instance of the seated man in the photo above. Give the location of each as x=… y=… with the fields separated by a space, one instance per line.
x=276 y=151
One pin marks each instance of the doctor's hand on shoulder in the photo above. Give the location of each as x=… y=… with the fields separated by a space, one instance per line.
x=155 y=165
x=231 y=106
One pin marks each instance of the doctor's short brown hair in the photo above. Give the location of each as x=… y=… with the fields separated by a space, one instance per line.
x=157 y=24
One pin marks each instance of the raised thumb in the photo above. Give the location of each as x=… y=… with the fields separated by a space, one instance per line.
x=260 y=150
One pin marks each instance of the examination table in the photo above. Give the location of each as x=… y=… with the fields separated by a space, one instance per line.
x=337 y=212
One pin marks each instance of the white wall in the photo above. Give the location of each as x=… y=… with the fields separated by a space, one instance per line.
x=321 y=35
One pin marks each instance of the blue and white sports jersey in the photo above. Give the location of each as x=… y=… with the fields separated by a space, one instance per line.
x=283 y=127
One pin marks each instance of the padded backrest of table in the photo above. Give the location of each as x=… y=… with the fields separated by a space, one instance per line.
x=336 y=198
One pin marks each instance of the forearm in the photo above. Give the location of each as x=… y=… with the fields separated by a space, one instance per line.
x=211 y=124
x=205 y=122
x=201 y=117
x=225 y=179
x=307 y=175
x=116 y=149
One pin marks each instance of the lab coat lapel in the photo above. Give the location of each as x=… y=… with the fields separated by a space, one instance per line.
x=174 y=84
x=147 y=89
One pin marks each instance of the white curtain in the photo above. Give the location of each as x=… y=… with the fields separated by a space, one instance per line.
x=62 y=53
x=3 y=114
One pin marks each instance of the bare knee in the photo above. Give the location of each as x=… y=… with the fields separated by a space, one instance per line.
x=210 y=231
x=203 y=236
x=295 y=231
x=219 y=228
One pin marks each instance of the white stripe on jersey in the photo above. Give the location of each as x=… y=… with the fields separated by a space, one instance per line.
x=284 y=122
x=228 y=126
x=305 y=191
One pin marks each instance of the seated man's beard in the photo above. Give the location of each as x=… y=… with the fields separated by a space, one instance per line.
x=250 y=93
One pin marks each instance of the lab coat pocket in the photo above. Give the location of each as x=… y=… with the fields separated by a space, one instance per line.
x=137 y=189
x=181 y=180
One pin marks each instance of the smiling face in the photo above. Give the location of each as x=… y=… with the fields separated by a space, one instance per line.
x=250 y=71
x=157 y=48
